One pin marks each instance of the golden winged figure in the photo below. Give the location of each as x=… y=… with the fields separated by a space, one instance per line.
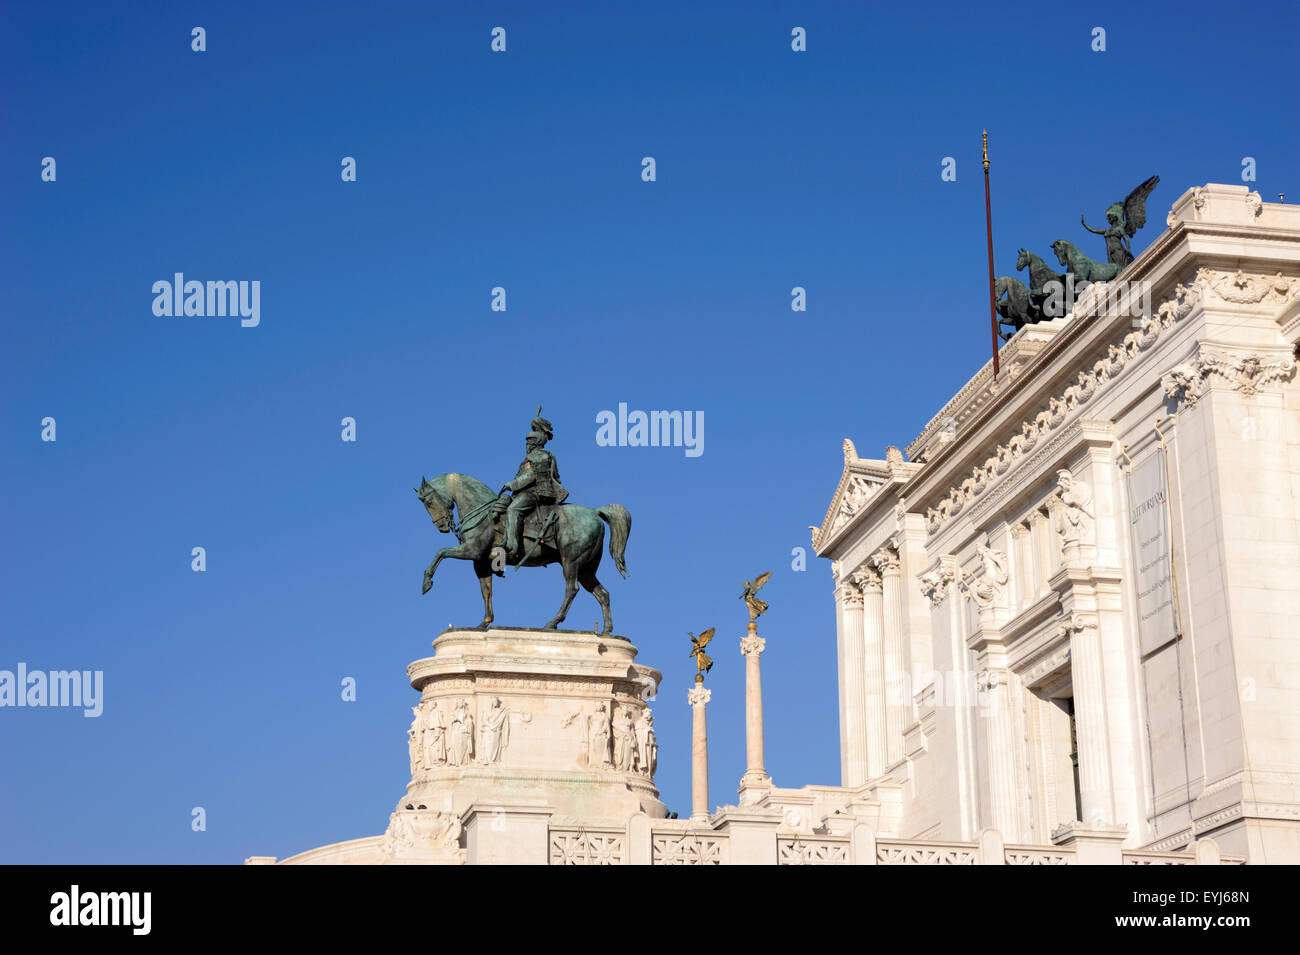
x=703 y=663
x=750 y=596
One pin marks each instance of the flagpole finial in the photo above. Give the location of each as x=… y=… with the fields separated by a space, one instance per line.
x=986 y=150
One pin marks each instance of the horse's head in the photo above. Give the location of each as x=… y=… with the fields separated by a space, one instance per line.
x=1062 y=250
x=439 y=508
x=1022 y=261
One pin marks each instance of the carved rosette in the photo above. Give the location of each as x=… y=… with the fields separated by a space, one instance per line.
x=752 y=644
x=698 y=696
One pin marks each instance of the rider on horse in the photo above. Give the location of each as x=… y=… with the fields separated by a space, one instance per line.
x=536 y=482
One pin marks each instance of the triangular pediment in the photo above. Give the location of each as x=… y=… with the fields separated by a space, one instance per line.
x=859 y=482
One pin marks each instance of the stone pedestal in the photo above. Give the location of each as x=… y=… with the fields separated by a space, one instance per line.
x=513 y=719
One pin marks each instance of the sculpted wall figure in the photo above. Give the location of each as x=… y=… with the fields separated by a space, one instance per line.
x=460 y=746
x=624 y=740
x=435 y=737
x=413 y=742
x=598 y=736
x=647 y=749
x=496 y=732
x=1073 y=505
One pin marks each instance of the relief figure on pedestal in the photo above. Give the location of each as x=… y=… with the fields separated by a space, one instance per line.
x=496 y=732
x=435 y=737
x=647 y=750
x=598 y=736
x=413 y=741
x=624 y=740
x=460 y=745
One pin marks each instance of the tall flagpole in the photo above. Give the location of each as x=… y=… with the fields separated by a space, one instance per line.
x=988 y=220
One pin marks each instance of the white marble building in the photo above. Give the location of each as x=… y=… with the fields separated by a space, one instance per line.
x=1022 y=679
x=1013 y=653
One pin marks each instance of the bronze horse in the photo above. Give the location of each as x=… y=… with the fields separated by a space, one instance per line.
x=573 y=540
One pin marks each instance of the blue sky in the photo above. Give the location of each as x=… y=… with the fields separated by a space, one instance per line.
x=520 y=170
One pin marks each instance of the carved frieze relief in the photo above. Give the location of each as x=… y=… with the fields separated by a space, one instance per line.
x=1073 y=397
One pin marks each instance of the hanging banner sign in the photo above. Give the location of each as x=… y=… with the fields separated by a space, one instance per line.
x=1149 y=527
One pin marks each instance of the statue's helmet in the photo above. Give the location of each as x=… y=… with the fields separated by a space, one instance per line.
x=541 y=429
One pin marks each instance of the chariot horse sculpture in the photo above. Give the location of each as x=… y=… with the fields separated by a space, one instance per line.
x=568 y=534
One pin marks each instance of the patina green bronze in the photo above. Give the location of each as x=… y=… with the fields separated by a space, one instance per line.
x=1124 y=219
x=1019 y=305
x=547 y=530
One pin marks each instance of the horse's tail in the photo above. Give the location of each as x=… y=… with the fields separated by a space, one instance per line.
x=620 y=525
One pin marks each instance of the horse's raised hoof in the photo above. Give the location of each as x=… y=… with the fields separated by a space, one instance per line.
x=428 y=585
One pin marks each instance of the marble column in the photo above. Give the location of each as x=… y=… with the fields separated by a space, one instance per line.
x=892 y=584
x=873 y=649
x=855 y=691
x=752 y=645
x=1090 y=718
x=993 y=686
x=699 y=697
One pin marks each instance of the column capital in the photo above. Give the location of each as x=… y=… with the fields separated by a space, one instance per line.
x=991 y=679
x=752 y=643
x=885 y=561
x=934 y=584
x=1075 y=623
x=698 y=695
x=866 y=579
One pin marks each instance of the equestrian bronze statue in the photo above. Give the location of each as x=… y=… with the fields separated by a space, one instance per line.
x=526 y=524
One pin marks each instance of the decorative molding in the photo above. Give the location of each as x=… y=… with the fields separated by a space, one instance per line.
x=1240 y=288
x=1107 y=366
x=1255 y=204
x=798 y=851
x=893 y=854
x=1183 y=384
x=1046 y=664
x=859 y=482
x=1247 y=372
x=579 y=847
x=420 y=830
x=686 y=850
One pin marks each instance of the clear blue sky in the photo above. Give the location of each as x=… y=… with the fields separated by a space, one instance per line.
x=521 y=170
